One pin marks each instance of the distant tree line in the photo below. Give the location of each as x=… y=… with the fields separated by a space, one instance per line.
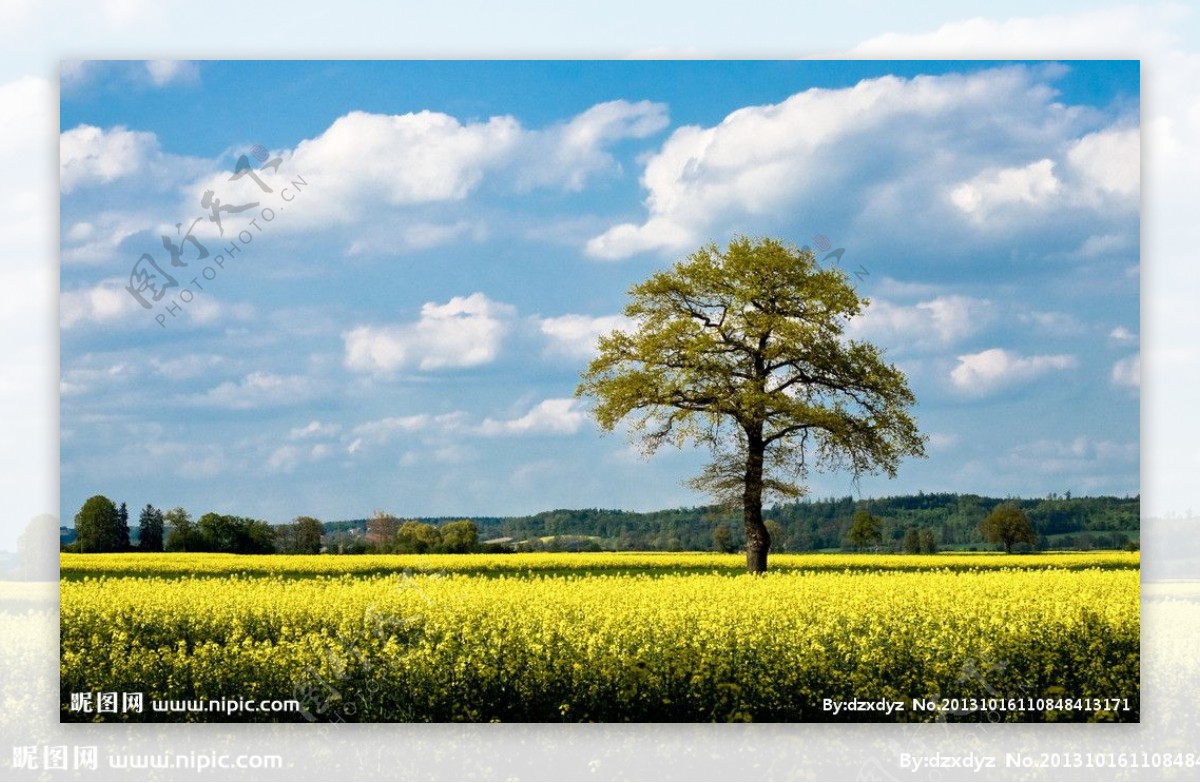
x=921 y=523
x=103 y=526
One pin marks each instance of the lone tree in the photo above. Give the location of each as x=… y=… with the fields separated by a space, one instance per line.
x=1008 y=525
x=97 y=526
x=865 y=530
x=743 y=351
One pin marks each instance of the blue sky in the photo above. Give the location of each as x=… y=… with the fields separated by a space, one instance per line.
x=406 y=332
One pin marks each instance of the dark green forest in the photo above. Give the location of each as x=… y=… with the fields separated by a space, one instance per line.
x=910 y=523
x=1060 y=522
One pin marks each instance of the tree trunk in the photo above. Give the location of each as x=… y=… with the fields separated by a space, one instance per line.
x=758 y=540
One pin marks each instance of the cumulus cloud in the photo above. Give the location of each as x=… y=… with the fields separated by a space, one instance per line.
x=383 y=430
x=1127 y=372
x=1034 y=184
x=941 y=321
x=567 y=154
x=554 y=417
x=403 y=159
x=464 y=332
x=987 y=371
x=1108 y=164
x=576 y=335
x=430 y=157
x=761 y=162
x=93 y=156
x=97 y=239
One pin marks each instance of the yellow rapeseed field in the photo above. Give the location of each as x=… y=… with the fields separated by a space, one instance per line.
x=585 y=637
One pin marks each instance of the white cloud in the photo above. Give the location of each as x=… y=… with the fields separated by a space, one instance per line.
x=940 y=321
x=1109 y=165
x=383 y=430
x=1120 y=334
x=989 y=370
x=760 y=162
x=92 y=379
x=569 y=153
x=1053 y=324
x=1128 y=371
x=89 y=155
x=97 y=239
x=576 y=335
x=1033 y=185
x=401 y=159
x=464 y=332
x=562 y=416
x=314 y=429
x=1106 y=244
x=258 y=390
x=187 y=366
x=164 y=72
x=363 y=160
x=284 y=459
x=942 y=441
x=105 y=302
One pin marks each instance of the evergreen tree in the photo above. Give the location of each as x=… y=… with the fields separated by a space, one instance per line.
x=150 y=530
x=123 y=528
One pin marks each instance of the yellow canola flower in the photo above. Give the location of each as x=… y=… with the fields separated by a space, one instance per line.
x=629 y=636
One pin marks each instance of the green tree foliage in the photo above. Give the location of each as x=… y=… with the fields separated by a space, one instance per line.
x=1008 y=525
x=417 y=538
x=865 y=530
x=744 y=351
x=97 y=526
x=912 y=541
x=723 y=539
x=308 y=535
x=182 y=535
x=237 y=535
x=927 y=541
x=459 y=537
x=150 y=529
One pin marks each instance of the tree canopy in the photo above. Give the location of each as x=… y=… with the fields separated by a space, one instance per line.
x=98 y=526
x=743 y=351
x=1008 y=525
